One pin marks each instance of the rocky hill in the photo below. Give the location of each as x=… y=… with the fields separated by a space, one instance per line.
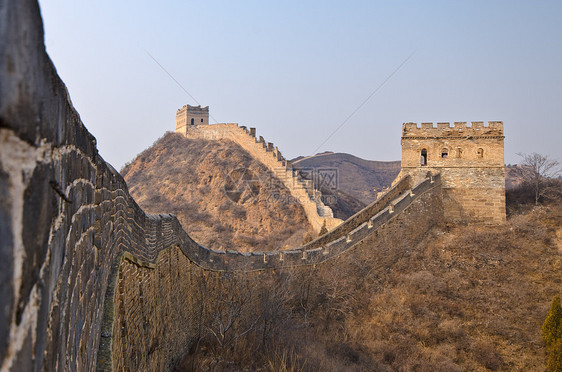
x=221 y=195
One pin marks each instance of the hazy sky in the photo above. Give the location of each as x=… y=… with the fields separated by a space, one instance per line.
x=296 y=70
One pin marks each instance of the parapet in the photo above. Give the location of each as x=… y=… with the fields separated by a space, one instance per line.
x=458 y=129
x=194 y=109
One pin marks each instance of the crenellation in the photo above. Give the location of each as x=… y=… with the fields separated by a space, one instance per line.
x=459 y=129
x=410 y=126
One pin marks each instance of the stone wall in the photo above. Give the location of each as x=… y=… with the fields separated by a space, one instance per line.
x=155 y=310
x=156 y=313
x=266 y=152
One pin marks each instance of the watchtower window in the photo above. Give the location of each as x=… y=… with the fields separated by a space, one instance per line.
x=480 y=153
x=459 y=152
x=423 y=159
x=201 y=120
x=192 y=121
x=444 y=153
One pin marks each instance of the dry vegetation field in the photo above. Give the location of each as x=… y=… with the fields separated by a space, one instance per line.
x=470 y=299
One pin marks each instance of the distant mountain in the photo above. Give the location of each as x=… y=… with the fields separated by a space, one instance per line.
x=514 y=177
x=222 y=196
x=356 y=178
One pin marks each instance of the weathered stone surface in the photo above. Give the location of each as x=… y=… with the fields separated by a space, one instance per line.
x=38 y=210
x=470 y=161
x=6 y=269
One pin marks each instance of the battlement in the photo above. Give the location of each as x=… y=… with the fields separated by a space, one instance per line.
x=194 y=109
x=458 y=129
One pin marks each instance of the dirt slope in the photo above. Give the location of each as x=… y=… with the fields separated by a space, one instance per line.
x=221 y=195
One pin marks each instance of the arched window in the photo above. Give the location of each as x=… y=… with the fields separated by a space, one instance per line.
x=480 y=152
x=459 y=152
x=423 y=159
x=444 y=153
x=201 y=120
x=192 y=121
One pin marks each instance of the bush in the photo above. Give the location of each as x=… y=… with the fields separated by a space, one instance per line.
x=551 y=328
x=552 y=335
x=554 y=363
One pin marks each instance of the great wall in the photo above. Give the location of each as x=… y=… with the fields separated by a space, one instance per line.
x=88 y=280
x=302 y=191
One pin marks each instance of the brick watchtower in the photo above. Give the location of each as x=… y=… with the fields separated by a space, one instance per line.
x=470 y=161
x=191 y=115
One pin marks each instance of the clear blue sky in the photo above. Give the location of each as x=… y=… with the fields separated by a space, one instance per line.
x=297 y=69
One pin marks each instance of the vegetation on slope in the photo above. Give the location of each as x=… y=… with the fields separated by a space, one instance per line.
x=552 y=335
x=222 y=196
x=473 y=298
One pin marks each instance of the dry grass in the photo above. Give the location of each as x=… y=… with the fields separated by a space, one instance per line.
x=473 y=299
x=189 y=177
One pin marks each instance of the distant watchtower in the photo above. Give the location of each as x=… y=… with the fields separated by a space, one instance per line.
x=470 y=161
x=191 y=115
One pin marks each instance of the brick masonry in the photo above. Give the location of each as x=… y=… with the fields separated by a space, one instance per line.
x=470 y=160
x=191 y=115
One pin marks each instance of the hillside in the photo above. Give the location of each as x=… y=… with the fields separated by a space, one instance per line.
x=220 y=194
x=470 y=299
x=357 y=178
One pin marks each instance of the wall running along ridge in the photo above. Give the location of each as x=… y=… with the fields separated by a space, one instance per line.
x=267 y=153
x=88 y=280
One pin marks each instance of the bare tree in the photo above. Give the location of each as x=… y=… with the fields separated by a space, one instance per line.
x=232 y=314
x=537 y=170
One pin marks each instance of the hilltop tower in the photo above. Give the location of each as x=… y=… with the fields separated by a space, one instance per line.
x=470 y=161
x=188 y=116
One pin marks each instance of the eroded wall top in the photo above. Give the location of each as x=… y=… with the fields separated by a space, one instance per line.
x=458 y=129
